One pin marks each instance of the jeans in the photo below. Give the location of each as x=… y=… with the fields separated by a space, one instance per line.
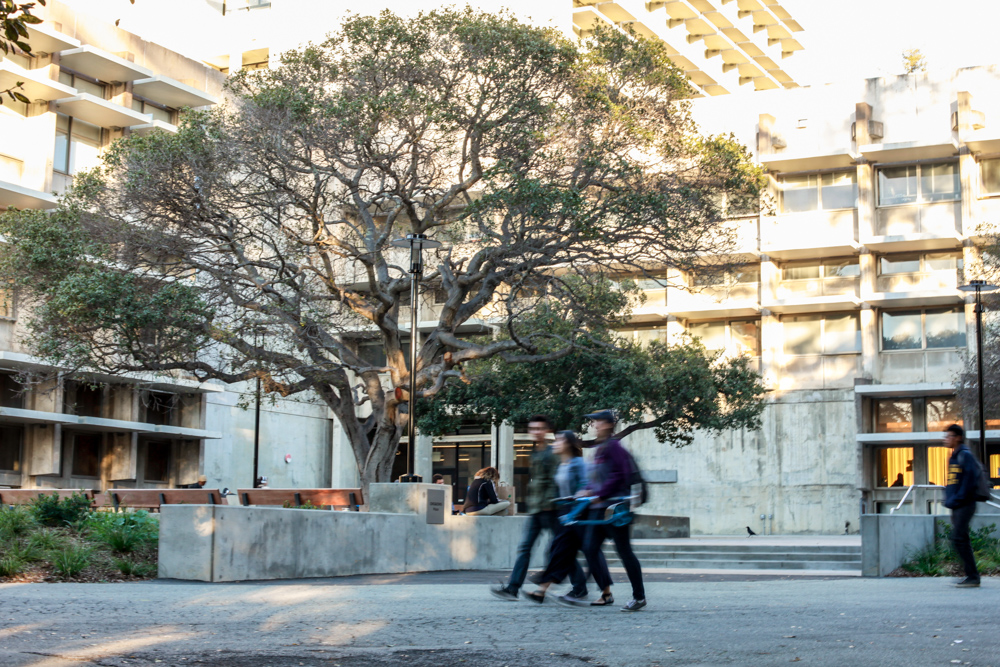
x=593 y=540
x=960 y=518
x=545 y=520
x=562 y=559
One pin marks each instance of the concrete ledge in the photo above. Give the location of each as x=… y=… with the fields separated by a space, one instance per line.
x=887 y=541
x=649 y=526
x=232 y=543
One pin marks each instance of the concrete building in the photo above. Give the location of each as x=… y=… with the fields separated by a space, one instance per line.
x=90 y=83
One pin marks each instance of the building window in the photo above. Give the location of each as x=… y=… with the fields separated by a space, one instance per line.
x=160 y=408
x=916 y=263
x=923 y=329
x=895 y=466
x=372 y=353
x=821 y=334
x=937 y=465
x=642 y=281
x=819 y=192
x=157 y=461
x=745 y=275
x=731 y=337
x=832 y=268
x=894 y=415
x=11 y=391
x=83 y=399
x=989 y=176
x=942 y=412
x=86 y=455
x=918 y=183
x=645 y=335
x=157 y=111
x=82 y=83
x=10 y=448
x=78 y=145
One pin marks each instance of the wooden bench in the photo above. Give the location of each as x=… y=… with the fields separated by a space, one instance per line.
x=28 y=496
x=333 y=498
x=152 y=499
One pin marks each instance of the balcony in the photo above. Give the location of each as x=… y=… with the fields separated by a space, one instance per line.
x=44 y=39
x=653 y=309
x=926 y=288
x=18 y=196
x=155 y=125
x=37 y=87
x=907 y=150
x=914 y=366
x=807 y=160
x=816 y=295
x=820 y=371
x=738 y=300
x=171 y=93
x=102 y=65
x=928 y=226
x=812 y=234
x=100 y=112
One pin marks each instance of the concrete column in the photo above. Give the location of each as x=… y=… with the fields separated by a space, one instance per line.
x=869 y=343
x=866 y=173
x=675 y=330
x=771 y=347
x=343 y=467
x=967 y=167
x=503 y=449
x=770 y=276
x=423 y=463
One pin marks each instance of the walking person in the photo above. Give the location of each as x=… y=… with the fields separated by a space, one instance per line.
x=481 y=497
x=609 y=477
x=960 y=498
x=540 y=502
x=571 y=477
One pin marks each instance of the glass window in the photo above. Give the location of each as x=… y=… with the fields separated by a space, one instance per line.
x=10 y=448
x=842 y=268
x=945 y=328
x=61 y=159
x=901 y=331
x=372 y=354
x=87 y=455
x=899 y=264
x=897 y=185
x=803 y=334
x=839 y=190
x=937 y=465
x=842 y=333
x=802 y=272
x=895 y=467
x=812 y=192
x=942 y=261
x=712 y=335
x=894 y=415
x=78 y=145
x=746 y=337
x=989 y=171
x=939 y=182
x=799 y=194
x=942 y=413
x=747 y=274
x=157 y=461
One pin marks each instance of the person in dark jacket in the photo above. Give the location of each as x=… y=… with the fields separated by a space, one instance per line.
x=960 y=498
x=481 y=498
x=610 y=477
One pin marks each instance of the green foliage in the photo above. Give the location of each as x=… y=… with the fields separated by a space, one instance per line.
x=940 y=558
x=11 y=566
x=123 y=532
x=307 y=505
x=15 y=521
x=46 y=540
x=51 y=510
x=16 y=17
x=133 y=568
x=71 y=560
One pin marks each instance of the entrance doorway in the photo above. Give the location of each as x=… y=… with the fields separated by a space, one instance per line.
x=459 y=462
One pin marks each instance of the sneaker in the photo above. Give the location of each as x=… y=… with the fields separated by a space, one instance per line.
x=535 y=596
x=968 y=582
x=581 y=595
x=634 y=605
x=504 y=593
x=568 y=601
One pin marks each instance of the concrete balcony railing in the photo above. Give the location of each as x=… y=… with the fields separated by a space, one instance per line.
x=923 y=281
x=820 y=371
x=917 y=226
x=795 y=235
x=913 y=366
x=819 y=287
x=715 y=301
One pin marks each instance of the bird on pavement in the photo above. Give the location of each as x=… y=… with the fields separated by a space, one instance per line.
x=750 y=533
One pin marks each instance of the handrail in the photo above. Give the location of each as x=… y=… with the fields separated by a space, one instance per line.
x=907 y=494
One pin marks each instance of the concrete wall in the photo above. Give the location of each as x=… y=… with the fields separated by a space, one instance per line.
x=225 y=543
x=889 y=540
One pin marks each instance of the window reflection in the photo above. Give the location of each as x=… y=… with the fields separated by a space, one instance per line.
x=893 y=415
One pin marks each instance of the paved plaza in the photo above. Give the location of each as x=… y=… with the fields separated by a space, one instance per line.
x=449 y=619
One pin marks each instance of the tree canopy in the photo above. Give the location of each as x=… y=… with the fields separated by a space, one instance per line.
x=255 y=241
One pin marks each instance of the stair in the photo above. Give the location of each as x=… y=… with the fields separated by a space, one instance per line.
x=728 y=554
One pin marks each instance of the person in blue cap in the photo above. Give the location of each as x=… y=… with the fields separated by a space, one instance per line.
x=609 y=477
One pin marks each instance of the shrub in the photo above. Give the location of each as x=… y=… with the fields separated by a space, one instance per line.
x=46 y=540
x=133 y=568
x=16 y=521
x=123 y=532
x=55 y=511
x=70 y=560
x=11 y=566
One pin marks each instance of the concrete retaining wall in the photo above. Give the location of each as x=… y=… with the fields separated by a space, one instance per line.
x=223 y=543
x=887 y=541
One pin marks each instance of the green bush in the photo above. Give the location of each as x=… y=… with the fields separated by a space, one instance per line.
x=46 y=540
x=16 y=521
x=70 y=560
x=941 y=559
x=123 y=532
x=133 y=568
x=11 y=566
x=55 y=511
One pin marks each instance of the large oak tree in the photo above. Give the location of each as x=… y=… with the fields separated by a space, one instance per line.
x=254 y=242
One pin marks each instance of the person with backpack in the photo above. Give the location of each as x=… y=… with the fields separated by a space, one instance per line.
x=611 y=475
x=960 y=497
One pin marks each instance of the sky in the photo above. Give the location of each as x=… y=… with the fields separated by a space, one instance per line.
x=843 y=39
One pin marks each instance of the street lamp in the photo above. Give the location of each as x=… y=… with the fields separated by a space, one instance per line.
x=980 y=286
x=416 y=243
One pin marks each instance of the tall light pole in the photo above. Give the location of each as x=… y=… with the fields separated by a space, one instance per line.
x=416 y=243
x=980 y=286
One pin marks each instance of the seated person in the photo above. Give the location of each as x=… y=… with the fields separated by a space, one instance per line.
x=481 y=498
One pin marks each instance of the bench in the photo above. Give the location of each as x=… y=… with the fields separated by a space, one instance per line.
x=332 y=498
x=152 y=499
x=28 y=496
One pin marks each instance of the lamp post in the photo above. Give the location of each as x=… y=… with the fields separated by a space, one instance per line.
x=416 y=243
x=980 y=286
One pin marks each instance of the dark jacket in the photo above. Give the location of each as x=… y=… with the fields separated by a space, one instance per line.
x=480 y=494
x=542 y=488
x=962 y=471
x=612 y=469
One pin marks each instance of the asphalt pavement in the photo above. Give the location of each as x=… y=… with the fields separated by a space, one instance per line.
x=450 y=619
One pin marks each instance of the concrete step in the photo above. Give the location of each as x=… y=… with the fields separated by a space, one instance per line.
x=735 y=554
x=712 y=564
x=678 y=545
x=742 y=555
